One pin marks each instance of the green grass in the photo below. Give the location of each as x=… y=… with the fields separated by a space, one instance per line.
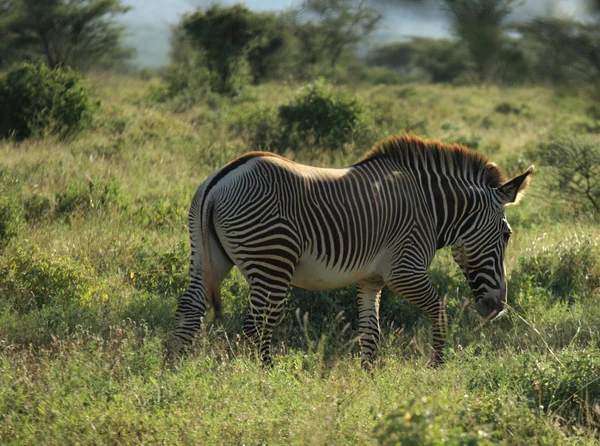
x=89 y=284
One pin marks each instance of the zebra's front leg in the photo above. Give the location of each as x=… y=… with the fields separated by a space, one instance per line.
x=369 y=295
x=418 y=289
x=264 y=313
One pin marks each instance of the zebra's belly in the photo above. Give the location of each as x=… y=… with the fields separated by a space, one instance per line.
x=315 y=275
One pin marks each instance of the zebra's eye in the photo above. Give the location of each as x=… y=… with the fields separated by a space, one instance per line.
x=506 y=236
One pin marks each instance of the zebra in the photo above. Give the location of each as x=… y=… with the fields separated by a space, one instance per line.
x=375 y=223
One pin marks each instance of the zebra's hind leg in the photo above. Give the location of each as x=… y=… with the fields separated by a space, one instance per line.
x=190 y=312
x=418 y=290
x=193 y=304
x=265 y=310
x=369 y=295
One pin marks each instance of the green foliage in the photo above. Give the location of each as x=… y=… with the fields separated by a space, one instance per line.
x=10 y=209
x=318 y=112
x=111 y=349
x=234 y=41
x=339 y=26
x=478 y=23
x=441 y=60
x=75 y=33
x=319 y=117
x=565 y=50
x=31 y=278
x=568 y=387
x=165 y=273
x=163 y=212
x=570 y=270
x=96 y=194
x=572 y=168
x=35 y=99
x=414 y=425
x=37 y=208
x=191 y=78
x=444 y=60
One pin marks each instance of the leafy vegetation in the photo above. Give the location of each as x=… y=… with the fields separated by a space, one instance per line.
x=573 y=169
x=35 y=99
x=74 y=33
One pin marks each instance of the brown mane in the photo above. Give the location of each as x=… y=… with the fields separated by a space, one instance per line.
x=410 y=151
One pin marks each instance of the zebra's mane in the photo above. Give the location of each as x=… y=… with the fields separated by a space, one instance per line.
x=410 y=150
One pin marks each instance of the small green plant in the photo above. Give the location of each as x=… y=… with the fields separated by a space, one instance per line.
x=35 y=99
x=31 y=278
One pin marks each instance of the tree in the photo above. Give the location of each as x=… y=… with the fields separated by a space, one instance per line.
x=479 y=24
x=573 y=170
x=228 y=36
x=568 y=51
x=340 y=26
x=444 y=60
x=76 y=33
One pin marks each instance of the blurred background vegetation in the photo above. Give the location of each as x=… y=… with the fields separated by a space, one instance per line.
x=461 y=41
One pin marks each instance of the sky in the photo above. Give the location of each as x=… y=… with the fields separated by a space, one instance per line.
x=149 y=22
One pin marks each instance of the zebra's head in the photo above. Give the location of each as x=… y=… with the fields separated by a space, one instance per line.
x=480 y=251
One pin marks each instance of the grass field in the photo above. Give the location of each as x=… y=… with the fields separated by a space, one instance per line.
x=89 y=285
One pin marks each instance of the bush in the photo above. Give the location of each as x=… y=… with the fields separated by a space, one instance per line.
x=35 y=99
x=319 y=117
x=329 y=117
x=10 y=208
x=573 y=170
x=32 y=278
x=569 y=270
x=165 y=273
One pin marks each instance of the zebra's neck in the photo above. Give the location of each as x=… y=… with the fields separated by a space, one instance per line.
x=452 y=202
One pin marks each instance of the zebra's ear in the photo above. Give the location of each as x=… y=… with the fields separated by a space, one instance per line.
x=511 y=192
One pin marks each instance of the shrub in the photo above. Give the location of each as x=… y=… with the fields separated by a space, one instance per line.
x=36 y=99
x=329 y=117
x=165 y=273
x=10 y=208
x=569 y=270
x=573 y=170
x=319 y=116
x=32 y=278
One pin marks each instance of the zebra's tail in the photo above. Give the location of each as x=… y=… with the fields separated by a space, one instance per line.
x=211 y=280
